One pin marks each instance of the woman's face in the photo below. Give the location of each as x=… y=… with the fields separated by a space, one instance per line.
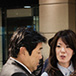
x=63 y=53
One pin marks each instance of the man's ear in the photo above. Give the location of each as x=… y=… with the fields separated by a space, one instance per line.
x=22 y=50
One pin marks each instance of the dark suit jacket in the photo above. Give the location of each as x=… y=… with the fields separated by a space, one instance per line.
x=12 y=67
x=45 y=65
x=18 y=74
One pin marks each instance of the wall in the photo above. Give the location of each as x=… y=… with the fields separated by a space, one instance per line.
x=0 y=40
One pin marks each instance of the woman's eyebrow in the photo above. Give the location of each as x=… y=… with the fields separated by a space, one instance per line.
x=59 y=43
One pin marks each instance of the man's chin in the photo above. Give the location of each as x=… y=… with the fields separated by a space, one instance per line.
x=35 y=68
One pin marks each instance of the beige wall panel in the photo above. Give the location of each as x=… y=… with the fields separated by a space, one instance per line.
x=0 y=41
x=0 y=52
x=19 y=12
x=0 y=66
x=51 y=1
x=0 y=47
x=0 y=22
x=45 y=50
x=53 y=18
x=72 y=16
x=0 y=18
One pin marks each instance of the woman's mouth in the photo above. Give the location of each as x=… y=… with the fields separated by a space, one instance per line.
x=62 y=56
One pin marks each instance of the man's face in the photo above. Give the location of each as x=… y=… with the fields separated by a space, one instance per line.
x=33 y=59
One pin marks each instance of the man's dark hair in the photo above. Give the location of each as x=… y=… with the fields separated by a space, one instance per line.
x=24 y=37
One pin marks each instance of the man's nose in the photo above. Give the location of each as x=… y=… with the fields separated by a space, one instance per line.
x=40 y=56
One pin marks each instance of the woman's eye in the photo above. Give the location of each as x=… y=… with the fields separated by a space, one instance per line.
x=67 y=46
x=58 y=46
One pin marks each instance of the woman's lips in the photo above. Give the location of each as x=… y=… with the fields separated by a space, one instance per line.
x=62 y=56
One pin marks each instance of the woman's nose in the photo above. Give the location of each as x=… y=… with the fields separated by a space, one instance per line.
x=62 y=49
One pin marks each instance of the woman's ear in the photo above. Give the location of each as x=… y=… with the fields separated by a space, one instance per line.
x=22 y=50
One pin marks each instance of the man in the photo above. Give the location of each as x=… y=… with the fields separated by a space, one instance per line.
x=25 y=53
x=38 y=71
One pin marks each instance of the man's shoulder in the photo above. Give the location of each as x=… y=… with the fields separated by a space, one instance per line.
x=19 y=74
x=10 y=67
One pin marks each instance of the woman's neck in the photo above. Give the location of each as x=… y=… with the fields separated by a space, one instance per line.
x=66 y=65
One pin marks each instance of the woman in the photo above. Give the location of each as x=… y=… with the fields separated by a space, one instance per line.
x=62 y=58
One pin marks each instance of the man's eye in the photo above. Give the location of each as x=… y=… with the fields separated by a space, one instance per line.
x=39 y=52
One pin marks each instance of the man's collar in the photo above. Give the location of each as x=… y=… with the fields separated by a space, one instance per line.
x=21 y=64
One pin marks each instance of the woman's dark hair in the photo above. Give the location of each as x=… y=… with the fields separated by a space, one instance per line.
x=69 y=38
x=49 y=41
x=24 y=37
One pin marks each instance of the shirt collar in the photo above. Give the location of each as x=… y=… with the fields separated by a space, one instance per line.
x=21 y=64
x=64 y=70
